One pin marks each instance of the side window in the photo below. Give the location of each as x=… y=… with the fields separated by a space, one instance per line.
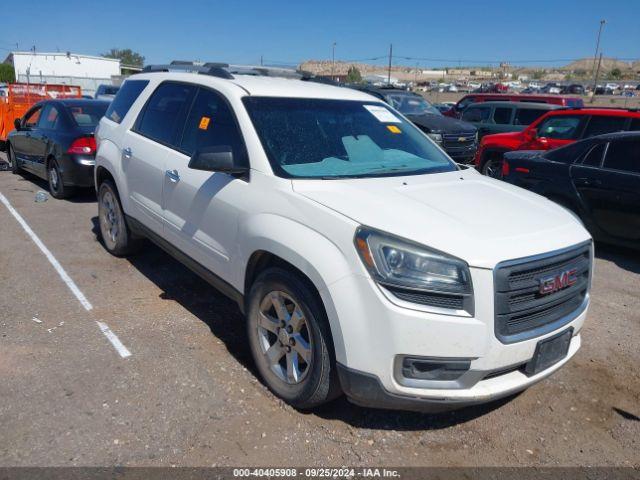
x=593 y=158
x=623 y=155
x=526 y=116
x=502 y=116
x=476 y=113
x=561 y=127
x=211 y=123
x=601 y=124
x=129 y=93
x=162 y=118
x=32 y=117
x=49 y=117
x=635 y=125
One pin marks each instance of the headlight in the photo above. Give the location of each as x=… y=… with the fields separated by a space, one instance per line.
x=436 y=137
x=396 y=262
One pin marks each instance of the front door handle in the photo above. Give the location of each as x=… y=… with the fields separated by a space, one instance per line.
x=126 y=153
x=173 y=175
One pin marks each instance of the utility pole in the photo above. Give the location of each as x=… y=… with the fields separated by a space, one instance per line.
x=333 y=59
x=261 y=60
x=595 y=56
x=390 y=57
x=595 y=79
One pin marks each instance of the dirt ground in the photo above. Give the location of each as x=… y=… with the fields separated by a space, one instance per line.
x=188 y=394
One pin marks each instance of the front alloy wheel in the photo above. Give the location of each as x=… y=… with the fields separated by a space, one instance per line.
x=493 y=168
x=284 y=337
x=290 y=338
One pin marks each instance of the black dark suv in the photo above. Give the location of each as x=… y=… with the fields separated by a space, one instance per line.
x=458 y=138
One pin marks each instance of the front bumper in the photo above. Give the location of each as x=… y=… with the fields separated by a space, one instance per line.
x=381 y=330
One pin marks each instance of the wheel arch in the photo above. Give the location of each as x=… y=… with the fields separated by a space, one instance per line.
x=310 y=254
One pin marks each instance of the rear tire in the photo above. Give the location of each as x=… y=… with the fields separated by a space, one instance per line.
x=116 y=235
x=290 y=339
x=56 y=185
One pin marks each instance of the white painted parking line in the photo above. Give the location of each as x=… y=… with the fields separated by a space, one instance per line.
x=104 y=328
x=47 y=253
x=115 y=341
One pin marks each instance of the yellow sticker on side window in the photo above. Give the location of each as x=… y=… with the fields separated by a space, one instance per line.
x=393 y=129
x=204 y=123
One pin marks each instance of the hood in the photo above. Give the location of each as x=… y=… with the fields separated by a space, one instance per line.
x=500 y=137
x=478 y=219
x=441 y=124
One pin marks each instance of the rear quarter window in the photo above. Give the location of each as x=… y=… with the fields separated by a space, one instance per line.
x=126 y=96
x=526 y=116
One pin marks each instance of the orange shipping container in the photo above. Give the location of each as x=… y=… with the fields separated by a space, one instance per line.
x=22 y=96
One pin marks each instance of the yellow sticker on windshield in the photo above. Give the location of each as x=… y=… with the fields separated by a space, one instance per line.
x=204 y=123
x=393 y=129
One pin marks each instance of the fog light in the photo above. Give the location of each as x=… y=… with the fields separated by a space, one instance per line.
x=434 y=369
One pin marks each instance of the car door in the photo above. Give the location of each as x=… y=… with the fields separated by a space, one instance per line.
x=201 y=208
x=41 y=136
x=23 y=142
x=146 y=145
x=556 y=131
x=617 y=211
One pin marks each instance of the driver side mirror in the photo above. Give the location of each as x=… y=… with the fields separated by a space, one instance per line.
x=17 y=124
x=217 y=159
x=530 y=134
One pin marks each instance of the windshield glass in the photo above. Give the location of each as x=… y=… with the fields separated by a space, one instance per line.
x=317 y=138
x=408 y=104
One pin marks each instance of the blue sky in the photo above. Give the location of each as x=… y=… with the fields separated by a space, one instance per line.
x=451 y=31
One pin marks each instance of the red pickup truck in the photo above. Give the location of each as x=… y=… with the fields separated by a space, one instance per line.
x=553 y=130
x=464 y=102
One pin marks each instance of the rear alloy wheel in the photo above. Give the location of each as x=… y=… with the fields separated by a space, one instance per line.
x=493 y=168
x=56 y=185
x=116 y=236
x=11 y=158
x=290 y=339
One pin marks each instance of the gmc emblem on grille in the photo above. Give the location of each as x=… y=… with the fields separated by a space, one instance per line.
x=557 y=282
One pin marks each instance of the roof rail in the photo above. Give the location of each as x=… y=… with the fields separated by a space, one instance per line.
x=213 y=69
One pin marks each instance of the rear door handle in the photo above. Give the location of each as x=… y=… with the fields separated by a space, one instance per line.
x=173 y=175
x=127 y=153
x=587 y=182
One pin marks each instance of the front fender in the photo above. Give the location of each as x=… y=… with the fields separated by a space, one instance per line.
x=321 y=260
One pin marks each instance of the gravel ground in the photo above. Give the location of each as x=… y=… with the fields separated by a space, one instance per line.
x=188 y=394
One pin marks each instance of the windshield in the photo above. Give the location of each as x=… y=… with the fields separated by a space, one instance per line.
x=317 y=138
x=408 y=104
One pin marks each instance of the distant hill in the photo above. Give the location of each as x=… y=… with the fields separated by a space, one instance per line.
x=607 y=64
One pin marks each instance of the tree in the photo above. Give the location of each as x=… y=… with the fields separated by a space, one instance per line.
x=616 y=73
x=7 y=73
x=538 y=74
x=126 y=56
x=353 y=75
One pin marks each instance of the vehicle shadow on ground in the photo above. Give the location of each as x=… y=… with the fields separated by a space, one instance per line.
x=624 y=258
x=226 y=322
x=34 y=184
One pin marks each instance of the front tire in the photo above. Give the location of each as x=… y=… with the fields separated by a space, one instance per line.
x=290 y=339
x=11 y=158
x=493 y=167
x=116 y=236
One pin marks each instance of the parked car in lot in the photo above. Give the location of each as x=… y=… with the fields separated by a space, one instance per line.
x=500 y=117
x=597 y=178
x=555 y=129
x=54 y=140
x=362 y=256
x=106 y=92
x=467 y=100
x=458 y=138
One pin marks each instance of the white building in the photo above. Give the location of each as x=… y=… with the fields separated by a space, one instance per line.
x=64 y=68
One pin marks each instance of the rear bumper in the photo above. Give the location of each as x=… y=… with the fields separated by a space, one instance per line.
x=77 y=170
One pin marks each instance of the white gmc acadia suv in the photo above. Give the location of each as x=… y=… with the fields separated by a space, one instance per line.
x=364 y=259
